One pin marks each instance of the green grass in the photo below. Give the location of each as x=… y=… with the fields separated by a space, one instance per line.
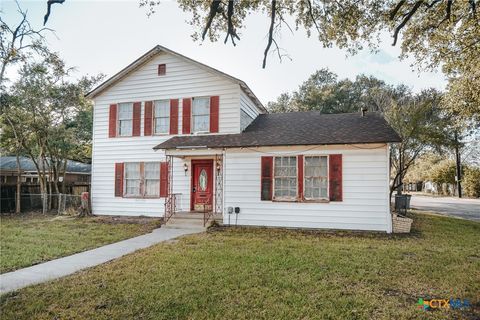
x=26 y=240
x=273 y=274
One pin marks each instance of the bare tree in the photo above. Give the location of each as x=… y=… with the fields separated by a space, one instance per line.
x=19 y=41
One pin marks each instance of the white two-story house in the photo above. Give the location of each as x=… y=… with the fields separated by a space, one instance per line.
x=172 y=135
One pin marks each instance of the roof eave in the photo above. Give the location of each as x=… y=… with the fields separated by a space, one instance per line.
x=226 y=146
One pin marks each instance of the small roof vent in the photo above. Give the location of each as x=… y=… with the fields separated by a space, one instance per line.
x=162 y=69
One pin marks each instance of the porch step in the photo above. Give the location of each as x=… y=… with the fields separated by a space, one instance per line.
x=188 y=215
x=189 y=220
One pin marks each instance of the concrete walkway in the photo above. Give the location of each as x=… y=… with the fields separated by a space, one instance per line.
x=64 y=266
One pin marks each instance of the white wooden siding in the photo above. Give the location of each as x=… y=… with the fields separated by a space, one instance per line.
x=182 y=80
x=365 y=204
x=247 y=105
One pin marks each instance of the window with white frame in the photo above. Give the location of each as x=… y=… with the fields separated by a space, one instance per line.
x=133 y=179
x=152 y=179
x=162 y=116
x=201 y=114
x=316 y=177
x=285 y=178
x=125 y=119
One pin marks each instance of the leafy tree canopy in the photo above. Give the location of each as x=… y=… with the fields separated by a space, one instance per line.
x=436 y=33
x=419 y=119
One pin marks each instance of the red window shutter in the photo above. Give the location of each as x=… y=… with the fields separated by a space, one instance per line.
x=118 y=179
x=335 y=177
x=186 y=116
x=137 y=115
x=266 y=178
x=163 y=179
x=300 y=177
x=214 y=109
x=162 y=69
x=112 y=121
x=173 y=116
x=147 y=119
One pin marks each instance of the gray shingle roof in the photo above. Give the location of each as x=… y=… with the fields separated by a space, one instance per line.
x=26 y=164
x=296 y=128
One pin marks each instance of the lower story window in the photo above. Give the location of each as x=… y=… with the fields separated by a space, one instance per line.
x=132 y=179
x=142 y=179
x=316 y=177
x=152 y=179
x=285 y=178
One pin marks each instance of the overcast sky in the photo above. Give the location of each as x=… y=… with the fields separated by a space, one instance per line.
x=105 y=36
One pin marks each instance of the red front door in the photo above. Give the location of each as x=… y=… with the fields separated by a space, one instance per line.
x=202 y=185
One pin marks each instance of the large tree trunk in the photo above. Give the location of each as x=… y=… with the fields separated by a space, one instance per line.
x=19 y=186
x=458 y=167
x=43 y=192
x=64 y=170
x=41 y=180
x=44 y=185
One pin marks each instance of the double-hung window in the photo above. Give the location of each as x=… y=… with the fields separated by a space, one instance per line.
x=132 y=179
x=316 y=177
x=142 y=179
x=125 y=119
x=285 y=178
x=162 y=116
x=201 y=114
x=152 y=179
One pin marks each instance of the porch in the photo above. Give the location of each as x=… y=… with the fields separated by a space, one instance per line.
x=195 y=187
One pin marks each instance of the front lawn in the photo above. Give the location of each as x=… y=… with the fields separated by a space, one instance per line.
x=29 y=239
x=273 y=274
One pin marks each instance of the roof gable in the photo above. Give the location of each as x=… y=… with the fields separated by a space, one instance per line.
x=152 y=53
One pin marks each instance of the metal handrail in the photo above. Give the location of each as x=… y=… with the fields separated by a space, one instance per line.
x=170 y=207
x=206 y=215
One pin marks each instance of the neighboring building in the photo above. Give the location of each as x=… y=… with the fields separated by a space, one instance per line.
x=171 y=134
x=77 y=172
x=77 y=180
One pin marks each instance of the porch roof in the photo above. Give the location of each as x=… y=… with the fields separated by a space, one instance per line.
x=295 y=128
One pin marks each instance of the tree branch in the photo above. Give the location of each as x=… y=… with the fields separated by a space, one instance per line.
x=394 y=12
x=270 y=33
x=405 y=20
x=230 y=28
x=449 y=12
x=434 y=2
x=473 y=6
x=310 y=13
x=213 y=12
x=49 y=5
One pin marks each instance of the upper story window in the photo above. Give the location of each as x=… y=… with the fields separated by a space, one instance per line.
x=316 y=177
x=285 y=178
x=162 y=116
x=125 y=119
x=201 y=114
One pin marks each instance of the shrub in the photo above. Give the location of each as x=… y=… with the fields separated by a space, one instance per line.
x=471 y=182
